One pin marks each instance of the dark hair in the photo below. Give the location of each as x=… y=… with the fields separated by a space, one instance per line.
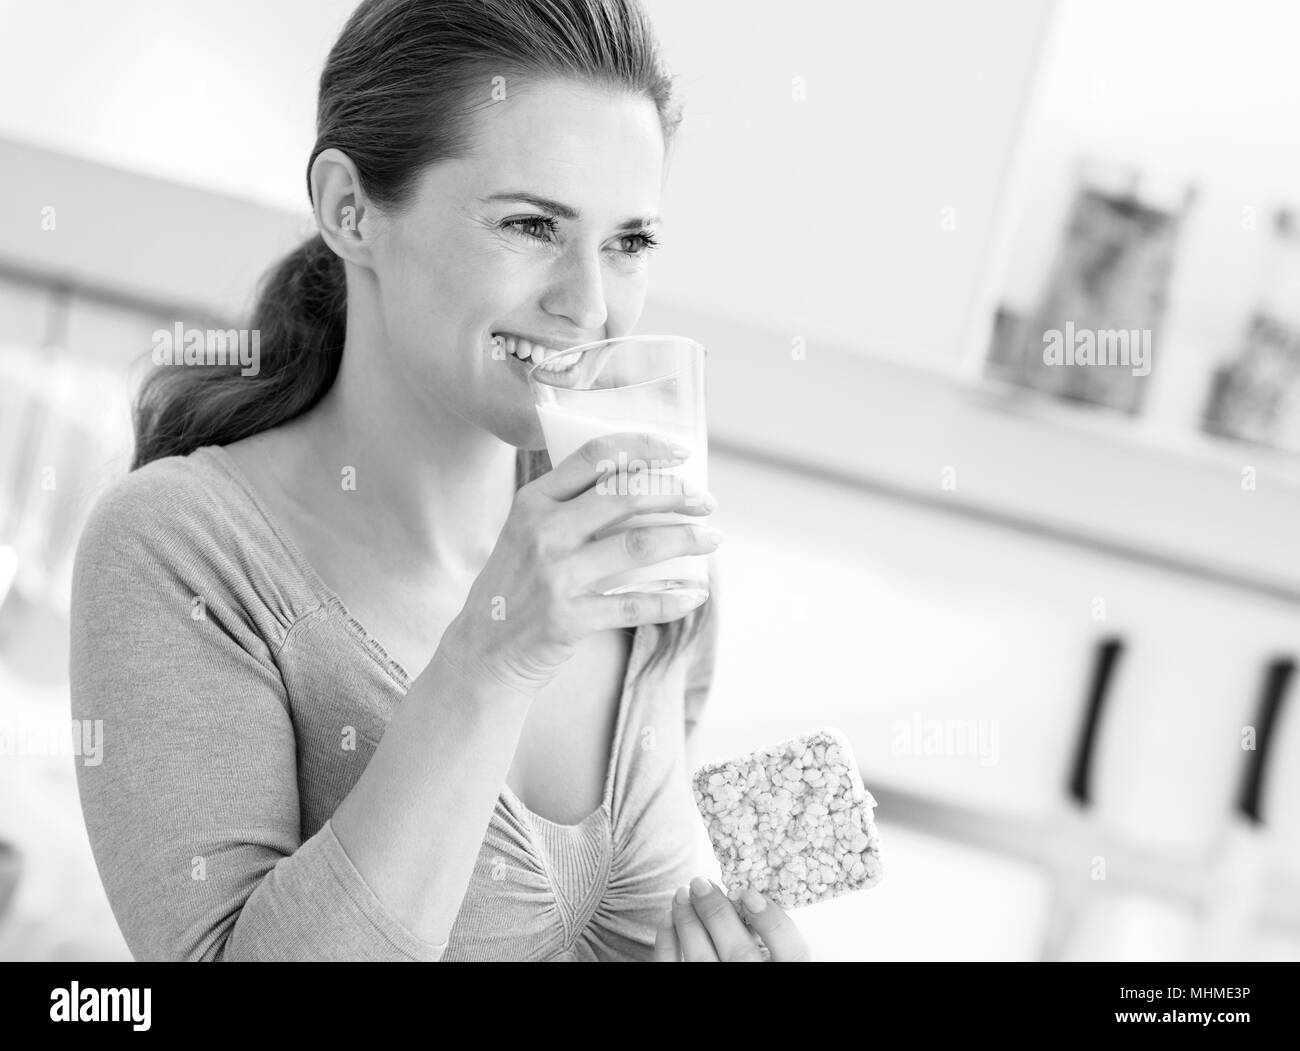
x=398 y=92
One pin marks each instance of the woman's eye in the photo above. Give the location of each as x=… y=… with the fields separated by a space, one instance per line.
x=643 y=242
x=529 y=222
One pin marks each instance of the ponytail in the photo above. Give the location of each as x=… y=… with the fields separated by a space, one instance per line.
x=300 y=322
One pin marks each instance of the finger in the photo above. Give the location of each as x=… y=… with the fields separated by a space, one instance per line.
x=697 y=946
x=609 y=453
x=635 y=608
x=667 y=948
x=642 y=545
x=731 y=939
x=776 y=929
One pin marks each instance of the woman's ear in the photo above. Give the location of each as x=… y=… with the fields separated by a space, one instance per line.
x=346 y=219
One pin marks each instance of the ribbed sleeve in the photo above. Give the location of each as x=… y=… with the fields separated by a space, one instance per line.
x=193 y=811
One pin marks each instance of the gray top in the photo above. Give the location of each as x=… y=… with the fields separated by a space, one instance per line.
x=225 y=671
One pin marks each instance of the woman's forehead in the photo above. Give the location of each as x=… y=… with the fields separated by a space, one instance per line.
x=555 y=139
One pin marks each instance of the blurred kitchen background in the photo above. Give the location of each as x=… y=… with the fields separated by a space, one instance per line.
x=1055 y=609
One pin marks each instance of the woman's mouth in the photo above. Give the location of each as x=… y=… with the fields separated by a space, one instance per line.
x=530 y=354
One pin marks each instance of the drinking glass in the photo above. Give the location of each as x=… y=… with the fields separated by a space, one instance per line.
x=632 y=383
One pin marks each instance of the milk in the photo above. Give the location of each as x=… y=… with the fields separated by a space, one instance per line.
x=566 y=430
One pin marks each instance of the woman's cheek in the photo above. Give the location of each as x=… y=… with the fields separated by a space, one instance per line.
x=625 y=298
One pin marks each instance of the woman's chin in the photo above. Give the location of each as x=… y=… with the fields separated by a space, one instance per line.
x=522 y=430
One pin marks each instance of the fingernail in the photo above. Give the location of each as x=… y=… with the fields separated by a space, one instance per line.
x=700 y=886
x=683 y=896
x=714 y=536
x=680 y=451
x=754 y=902
x=709 y=503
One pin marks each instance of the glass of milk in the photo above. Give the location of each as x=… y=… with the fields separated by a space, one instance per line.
x=632 y=383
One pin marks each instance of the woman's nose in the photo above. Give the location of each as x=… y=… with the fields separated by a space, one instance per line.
x=578 y=293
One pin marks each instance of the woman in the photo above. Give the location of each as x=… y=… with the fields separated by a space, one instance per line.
x=359 y=700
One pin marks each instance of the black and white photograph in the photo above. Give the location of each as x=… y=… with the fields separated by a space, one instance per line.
x=505 y=481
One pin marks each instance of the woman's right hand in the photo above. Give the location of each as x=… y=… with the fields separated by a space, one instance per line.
x=535 y=600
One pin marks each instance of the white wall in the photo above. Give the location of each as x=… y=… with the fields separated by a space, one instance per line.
x=216 y=95
x=824 y=217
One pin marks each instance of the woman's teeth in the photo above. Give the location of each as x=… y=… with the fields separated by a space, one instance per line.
x=524 y=350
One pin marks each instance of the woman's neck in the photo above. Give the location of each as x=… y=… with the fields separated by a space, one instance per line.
x=434 y=494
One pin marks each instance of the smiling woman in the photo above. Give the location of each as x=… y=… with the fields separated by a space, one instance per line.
x=365 y=702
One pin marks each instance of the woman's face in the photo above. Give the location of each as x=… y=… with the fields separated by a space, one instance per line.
x=471 y=257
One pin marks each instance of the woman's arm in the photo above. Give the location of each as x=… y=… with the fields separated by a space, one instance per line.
x=414 y=822
x=193 y=811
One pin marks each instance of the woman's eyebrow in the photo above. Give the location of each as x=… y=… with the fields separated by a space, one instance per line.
x=563 y=210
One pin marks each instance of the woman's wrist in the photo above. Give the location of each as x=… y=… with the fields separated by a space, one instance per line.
x=480 y=682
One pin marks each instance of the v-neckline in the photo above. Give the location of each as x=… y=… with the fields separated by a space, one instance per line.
x=402 y=677
x=615 y=750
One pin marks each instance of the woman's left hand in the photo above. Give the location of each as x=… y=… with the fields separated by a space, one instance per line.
x=702 y=925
